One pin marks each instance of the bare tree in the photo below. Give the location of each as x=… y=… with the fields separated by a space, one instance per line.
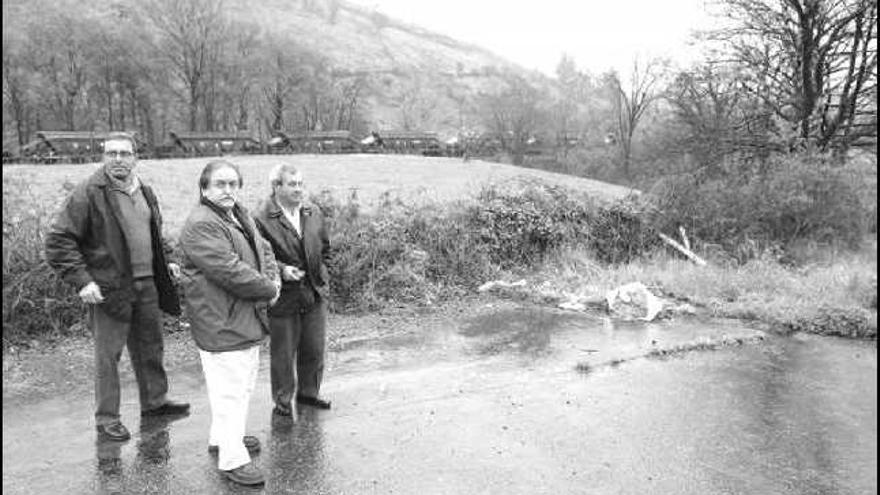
x=284 y=73
x=812 y=63
x=244 y=75
x=347 y=105
x=513 y=115
x=582 y=113
x=59 y=59
x=117 y=76
x=631 y=102
x=315 y=101
x=16 y=81
x=567 y=107
x=709 y=102
x=231 y=74
x=191 y=32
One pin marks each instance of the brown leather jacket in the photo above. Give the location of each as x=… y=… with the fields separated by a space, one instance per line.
x=311 y=253
x=85 y=243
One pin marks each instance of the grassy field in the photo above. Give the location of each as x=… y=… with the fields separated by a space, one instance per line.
x=414 y=179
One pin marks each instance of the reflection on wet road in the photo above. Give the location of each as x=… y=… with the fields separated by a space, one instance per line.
x=495 y=405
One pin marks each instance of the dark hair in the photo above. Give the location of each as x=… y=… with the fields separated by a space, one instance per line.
x=209 y=169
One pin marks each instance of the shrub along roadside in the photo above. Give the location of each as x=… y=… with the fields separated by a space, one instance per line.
x=407 y=253
x=402 y=253
x=36 y=302
x=795 y=198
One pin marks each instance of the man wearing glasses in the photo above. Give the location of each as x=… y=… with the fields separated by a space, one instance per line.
x=106 y=240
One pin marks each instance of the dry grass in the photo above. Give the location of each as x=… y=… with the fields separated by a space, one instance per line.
x=826 y=296
x=414 y=179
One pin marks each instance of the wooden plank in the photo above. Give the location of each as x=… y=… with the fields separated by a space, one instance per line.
x=683 y=250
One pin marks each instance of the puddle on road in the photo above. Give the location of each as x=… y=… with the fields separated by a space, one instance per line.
x=391 y=342
x=526 y=330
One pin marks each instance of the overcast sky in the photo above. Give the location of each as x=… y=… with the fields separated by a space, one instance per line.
x=597 y=34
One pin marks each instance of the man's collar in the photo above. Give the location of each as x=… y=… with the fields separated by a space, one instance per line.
x=235 y=211
x=292 y=212
x=277 y=210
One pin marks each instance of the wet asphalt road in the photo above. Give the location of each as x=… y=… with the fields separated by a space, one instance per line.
x=496 y=405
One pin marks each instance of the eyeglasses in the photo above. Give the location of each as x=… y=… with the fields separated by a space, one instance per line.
x=120 y=154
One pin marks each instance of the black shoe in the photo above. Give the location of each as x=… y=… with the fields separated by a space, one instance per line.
x=252 y=444
x=113 y=431
x=313 y=401
x=168 y=409
x=282 y=410
x=248 y=474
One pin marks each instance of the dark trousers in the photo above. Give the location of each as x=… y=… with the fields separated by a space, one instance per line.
x=143 y=336
x=298 y=338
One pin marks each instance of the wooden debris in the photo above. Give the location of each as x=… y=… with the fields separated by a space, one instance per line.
x=683 y=250
x=684 y=237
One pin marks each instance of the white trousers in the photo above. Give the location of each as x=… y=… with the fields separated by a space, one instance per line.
x=230 y=377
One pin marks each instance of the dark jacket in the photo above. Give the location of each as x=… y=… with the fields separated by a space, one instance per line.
x=86 y=243
x=311 y=253
x=228 y=275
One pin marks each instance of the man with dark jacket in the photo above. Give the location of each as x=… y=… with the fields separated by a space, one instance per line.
x=298 y=321
x=107 y=241
x=230 y=279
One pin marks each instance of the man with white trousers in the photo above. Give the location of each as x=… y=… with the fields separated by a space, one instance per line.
x=230 y=278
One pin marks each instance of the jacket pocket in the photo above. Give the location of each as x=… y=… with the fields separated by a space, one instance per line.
x=99 y=259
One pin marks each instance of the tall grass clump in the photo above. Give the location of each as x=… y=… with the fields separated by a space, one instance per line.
x=36 y=303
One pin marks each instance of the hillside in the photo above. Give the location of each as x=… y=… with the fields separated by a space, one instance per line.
x=357 y=39
x=406 y=77
x=399 y=59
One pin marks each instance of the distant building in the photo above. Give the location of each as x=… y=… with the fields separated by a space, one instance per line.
x=417 y=142
x=314 y=142
x=210 y=143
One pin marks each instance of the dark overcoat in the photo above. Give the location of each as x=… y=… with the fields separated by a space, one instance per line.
x=86 y=243
x=309 y=252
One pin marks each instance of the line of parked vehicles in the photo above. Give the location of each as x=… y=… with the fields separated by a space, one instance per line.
x=50 y=147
